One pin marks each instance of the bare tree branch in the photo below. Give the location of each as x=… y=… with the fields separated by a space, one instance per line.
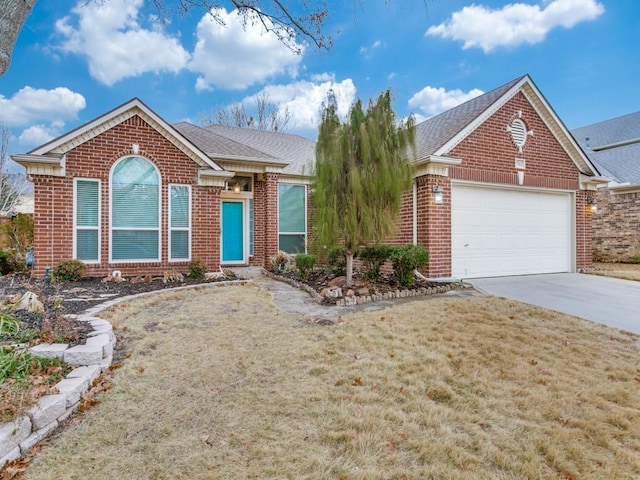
x=265 y=115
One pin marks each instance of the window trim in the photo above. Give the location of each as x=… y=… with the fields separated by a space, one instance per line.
x=188 y=228
x=76 y=227
x=158 y=229
x=306 y=224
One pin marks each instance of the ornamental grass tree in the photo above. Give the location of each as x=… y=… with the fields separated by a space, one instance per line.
x=363 y=167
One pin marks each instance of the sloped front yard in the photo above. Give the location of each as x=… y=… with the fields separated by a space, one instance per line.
x=221 y=384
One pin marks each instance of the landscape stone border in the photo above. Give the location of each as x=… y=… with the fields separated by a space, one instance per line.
x=349 y=301
x=92 y=359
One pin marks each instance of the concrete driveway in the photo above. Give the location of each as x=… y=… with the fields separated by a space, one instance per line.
x=610 y=301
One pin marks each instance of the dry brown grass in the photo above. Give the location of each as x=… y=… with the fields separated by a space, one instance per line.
x=222 y=385
x=626 y=271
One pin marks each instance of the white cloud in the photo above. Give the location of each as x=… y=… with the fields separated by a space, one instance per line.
x=39 y=134
x=432 y=100
x=367 y=51
x=514 y=24
x=304 y=100
x=237 y=55
x=31 y=105
x=116 y=45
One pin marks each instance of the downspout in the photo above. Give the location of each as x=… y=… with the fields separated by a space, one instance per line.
x=415 y=213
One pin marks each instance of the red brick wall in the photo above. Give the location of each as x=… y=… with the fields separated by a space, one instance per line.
x=53 y=207
x=271 y=215
x=488 y=155
x=616 y=232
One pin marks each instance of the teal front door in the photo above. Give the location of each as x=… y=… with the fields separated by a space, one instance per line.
x=233 y=232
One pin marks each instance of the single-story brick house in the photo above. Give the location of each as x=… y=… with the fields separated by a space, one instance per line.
x=614 y=147
x=501 y=188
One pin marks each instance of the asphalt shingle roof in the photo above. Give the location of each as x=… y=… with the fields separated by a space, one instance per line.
x=620 y=163
x=436 y=131
x=217 y=145
x=297 y=151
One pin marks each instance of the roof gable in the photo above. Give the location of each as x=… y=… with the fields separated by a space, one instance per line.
x=437 y=136
x=60 y=146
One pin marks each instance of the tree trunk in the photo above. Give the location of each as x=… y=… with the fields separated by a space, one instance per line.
x=13 y=14
x=349 y=280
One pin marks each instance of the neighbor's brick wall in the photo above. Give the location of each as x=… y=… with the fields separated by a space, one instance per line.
x=488 y=155
x=53 y=209
x=616 y=230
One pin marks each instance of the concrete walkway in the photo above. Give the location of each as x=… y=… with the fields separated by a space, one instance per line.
x=605 y=300
x=293 y=300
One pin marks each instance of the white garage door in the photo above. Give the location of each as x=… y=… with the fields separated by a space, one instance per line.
x=498 y=232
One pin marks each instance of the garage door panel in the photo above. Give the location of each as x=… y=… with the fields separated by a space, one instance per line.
x=498 y=232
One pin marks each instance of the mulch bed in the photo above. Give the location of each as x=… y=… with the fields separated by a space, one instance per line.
x=317 y=281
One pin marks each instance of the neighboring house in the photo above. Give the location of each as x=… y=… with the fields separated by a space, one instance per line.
x=501 y=188
x=614 y=147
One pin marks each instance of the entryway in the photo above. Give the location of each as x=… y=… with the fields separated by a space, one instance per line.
x=233 y=233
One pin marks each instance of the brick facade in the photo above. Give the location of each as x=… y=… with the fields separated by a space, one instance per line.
x=93 y=159
x=616 y=229
x=488 y=156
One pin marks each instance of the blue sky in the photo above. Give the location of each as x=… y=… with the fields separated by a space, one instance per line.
x=74 y=62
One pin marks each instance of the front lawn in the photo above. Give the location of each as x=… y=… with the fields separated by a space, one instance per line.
x=220 y=384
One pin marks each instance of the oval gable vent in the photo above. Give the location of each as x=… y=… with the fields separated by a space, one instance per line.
x=518 y=132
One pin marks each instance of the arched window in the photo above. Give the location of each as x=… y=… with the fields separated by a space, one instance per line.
x=135 y=211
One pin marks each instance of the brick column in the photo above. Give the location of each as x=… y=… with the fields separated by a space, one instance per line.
x=271 y=216
x=584 y=230
x=434 y=224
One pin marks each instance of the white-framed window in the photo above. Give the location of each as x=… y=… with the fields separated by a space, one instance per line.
x=135 y=211
x=86 y=220
x=179 y=222
x=292 y=218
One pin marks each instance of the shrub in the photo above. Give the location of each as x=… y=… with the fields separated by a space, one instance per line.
x=281 y=262
x=6 y=262
x=197 y=268
x=405 y=260
x=69 y=270
x=17 y=239
x=373 y=258
x=337 y=260
x=304 y=264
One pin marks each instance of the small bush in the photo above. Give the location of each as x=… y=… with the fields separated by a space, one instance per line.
x=281 y=262
x=6 y=262
x=634 y=259
x=304 y=264
x=69 y=271
x=197 y=268
x=405 y=260
x=373 y=258
x=337 y=260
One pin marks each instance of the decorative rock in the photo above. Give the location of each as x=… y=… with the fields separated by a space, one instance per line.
x=30 y=303
x=49 y=350
x=350 y=293
x=49 y=408
x=11 y=434
x=334 y=292
x=73 y=388
x=338 y=281
x=84 y=355
x=90 y=372
x=363 y=292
